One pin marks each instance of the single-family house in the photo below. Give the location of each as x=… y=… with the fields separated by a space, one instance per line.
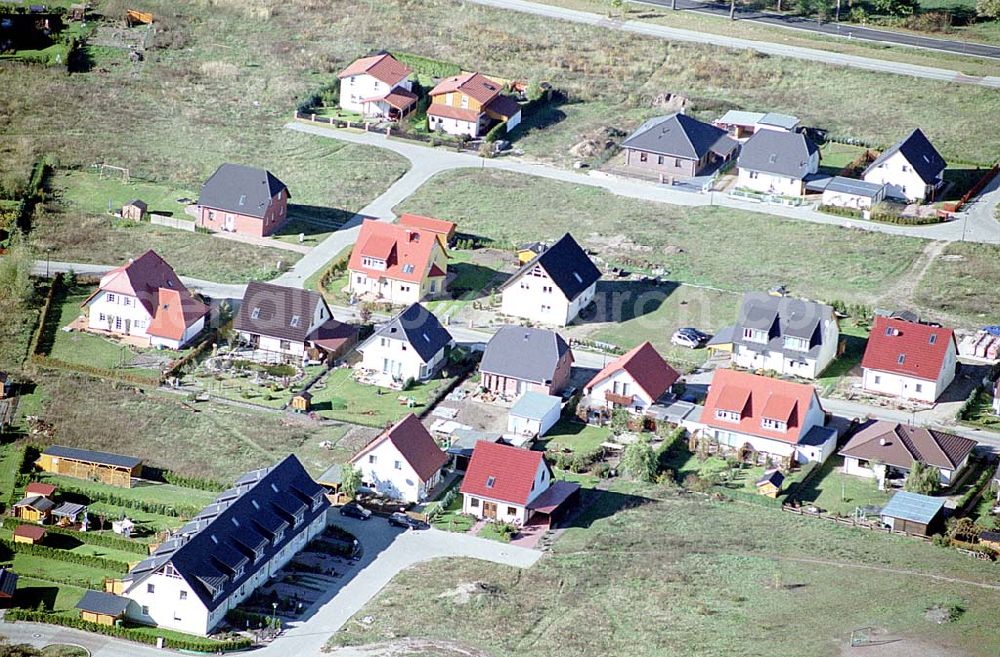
x=292 y=324
x=440 y=226
x=146 y=300
x=533 y=414
x=750 y=414
x=677 y=146
x=909 y=360
x=508 y=484
x=29 y=534
x=790 y=336
x=105 y=467
x=403 y=463
x=886 y=451
x=769 y=484
x=397 y=264
x=742 y=125
x=8 y=583
x=633 y=381
x=553 y=287
x=242 y=199
x=777 y=162
x=913 y=513
x=855 y=194
x=377 y=86
x=518 y=359
x=34 y=508
x=102 y=608
x=470 y=104
x=411 y=345
x=232 y=547
x=912 y=170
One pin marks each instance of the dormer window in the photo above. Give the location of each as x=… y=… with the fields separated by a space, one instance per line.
x=258 y=554
x=755 y=335
x=279 y=535
x=727 y=416
x=299 y=517
x=798 y=344
x=238 y=573
x=773 y=425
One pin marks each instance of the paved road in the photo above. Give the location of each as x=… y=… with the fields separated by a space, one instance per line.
x=387 y=552
x=208 y=288
x=843 y=30
x=776 y=49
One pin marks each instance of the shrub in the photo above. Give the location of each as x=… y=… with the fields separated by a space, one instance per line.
x=840 y=211
x=101 y=563
x=91 y=538
x=496 y=132
x=434 y=68
x=280 y=370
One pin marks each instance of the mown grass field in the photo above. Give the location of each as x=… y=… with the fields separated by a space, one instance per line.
x=340 y=397
x=686 y=576
x=92 y=193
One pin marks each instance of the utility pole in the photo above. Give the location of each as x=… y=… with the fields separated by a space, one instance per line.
x=732 y=10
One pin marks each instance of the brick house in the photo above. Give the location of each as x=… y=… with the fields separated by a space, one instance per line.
x=244 y=200
x=519 y=359
x=677 y=146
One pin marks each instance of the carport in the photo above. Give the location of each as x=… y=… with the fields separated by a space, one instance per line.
x=551 y=506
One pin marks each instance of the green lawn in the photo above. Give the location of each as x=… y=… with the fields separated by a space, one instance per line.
x=244 y=389
x=144 y=492
x=10 y=461
x=839 y=493
x=87 y=191
x=62 y=571
x=146 y=524
x=835 y=156
x=855 y=338
x=340 y=397
x=53 y=597
x=981 y=413
x=961 y=283
x=471 y=281
x=575 y=436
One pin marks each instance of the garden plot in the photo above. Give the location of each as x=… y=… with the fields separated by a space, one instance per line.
x=235 y=375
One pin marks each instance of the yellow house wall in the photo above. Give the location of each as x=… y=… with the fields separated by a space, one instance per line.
x=456 y=101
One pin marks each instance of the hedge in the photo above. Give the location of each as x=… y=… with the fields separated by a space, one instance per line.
x=496 y=132
x=841 y=211
x=435 y=68
x=194 y=644
x=197 y=483
x=158 y=508
x=65 y=555
x=981 y=483
x=239 y=618
x=46 y=362
x=103 y=540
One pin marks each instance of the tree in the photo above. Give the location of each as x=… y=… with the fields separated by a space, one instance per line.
x=616 y=5
x=639 y=461
x=619 y=421
x=896 y=7
x=924 y=479
x=350 y=480
x=988 y=8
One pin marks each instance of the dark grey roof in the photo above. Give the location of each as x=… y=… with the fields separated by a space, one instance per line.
x=528 y=354
x=277 y=311
x=786 y=121
x=723 y=336
x=780 y=317
x=680 y=135
x=8 y=582
x=419 y=327
x=777 y=152
x=853 y=186
x=100 y=602
x=37 y=502
x=209 y=549
x=68 y=510
x=775 y=477
x=817 y=436
x=241 y=189
x=137 y=203
x=569 y=267
x=919 y=152
x=463 y=441
x=105 y=458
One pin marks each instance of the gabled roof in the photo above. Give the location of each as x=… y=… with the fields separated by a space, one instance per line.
x=106 y=604
x=534 y=405
x=646 y=367
x=777 y=152
x=157 y=287
x=473 y=85
x=780 y=317
x=384 y=68
x=209 y=550
x=900 y=445
x=408 y=252
x=501 y=472
x=528 y=354
x=679 y=135
x=90 y=456
x=569 y=267
x=33 y=532
x=277 y=311
x=36 y=502
x=774 y=477
x=39 y=488
x=919 y=152
x=913 y=507
x=446 y=228
x=414 y=443
x=417 y=326
x=755 y=398
x=240 y=189
x=504 y=106
x=908 y=348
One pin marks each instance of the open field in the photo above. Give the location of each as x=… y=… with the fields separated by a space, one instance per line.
x=210 y=440
x=963 y=281
x=685 y=576
x=89 y=192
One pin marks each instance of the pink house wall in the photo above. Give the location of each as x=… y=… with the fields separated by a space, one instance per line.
x=276 y=215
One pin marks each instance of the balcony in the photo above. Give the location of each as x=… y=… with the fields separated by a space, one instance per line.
x=620 y=400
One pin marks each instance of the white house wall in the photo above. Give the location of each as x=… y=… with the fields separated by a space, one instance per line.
x=405 y=363
x=906 y=387
x=386 y=479
x=527 y=298
x=899 y=183
x=640 y=400
x=520 y=513
x=354 y=89
x=133 y=315
x=453 y=126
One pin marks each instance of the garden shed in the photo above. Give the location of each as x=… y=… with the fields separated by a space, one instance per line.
x=102 y=608
x=913 y=513
x=134 y=210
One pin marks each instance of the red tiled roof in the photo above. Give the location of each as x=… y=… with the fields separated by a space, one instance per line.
x=646 y=367
x=757 y=397
x=414 y=443
x=398 y=246
x=511 y=468
x=38 y=488
x=34 y=532
x=399 y=98
x=449 y=112
x=384 y=68
x=428 y=223
x=473 y=85
x=921 y=348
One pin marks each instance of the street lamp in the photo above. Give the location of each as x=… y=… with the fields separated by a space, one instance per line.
x=48 y=250
x=274 y=615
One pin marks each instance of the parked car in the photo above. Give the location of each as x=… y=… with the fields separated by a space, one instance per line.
x=701 y=336
x=685 y=340
x=355 y=510
x=400 y=519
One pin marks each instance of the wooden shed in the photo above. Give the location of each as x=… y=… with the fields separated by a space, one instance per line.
x=914 y=513
x=134 y=210
x=30 y=534
x=34 y=508
x=102 y=608
x=769 y=485
x=302 y=402
x=108 y=468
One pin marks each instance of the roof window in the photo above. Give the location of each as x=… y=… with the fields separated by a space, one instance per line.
x=490 y=481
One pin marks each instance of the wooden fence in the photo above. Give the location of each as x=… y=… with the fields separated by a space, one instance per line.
x=955 y=206
x=852 y=522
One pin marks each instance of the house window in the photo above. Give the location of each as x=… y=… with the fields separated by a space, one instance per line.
x=118 y=323
x=919 y=387
x=546 y=288
x=525 y=286
x=677 y=162
x=901 y=359
x=184 y=595
x=728 y=416
x=474 y=502
x=145 y=610
x=512 y=511
x=126 y=301
x=255 y=313
x=753 y=175
x=294 y=323
x=643 y=157
x=372 y=458
x=285 y=345
x=546 y=309
x=101 y=317
x=150 y=588
x=398 y=465
x=905 y=168
x=383 y=342
x=774 y=425
x=465 y=102
x=878 y=379
x=111 y=298
x=659 y=159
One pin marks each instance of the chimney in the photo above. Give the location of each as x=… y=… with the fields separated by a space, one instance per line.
x=883 y=442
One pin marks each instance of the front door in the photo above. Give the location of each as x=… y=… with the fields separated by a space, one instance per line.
x=229 y=223
x=490 y=510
